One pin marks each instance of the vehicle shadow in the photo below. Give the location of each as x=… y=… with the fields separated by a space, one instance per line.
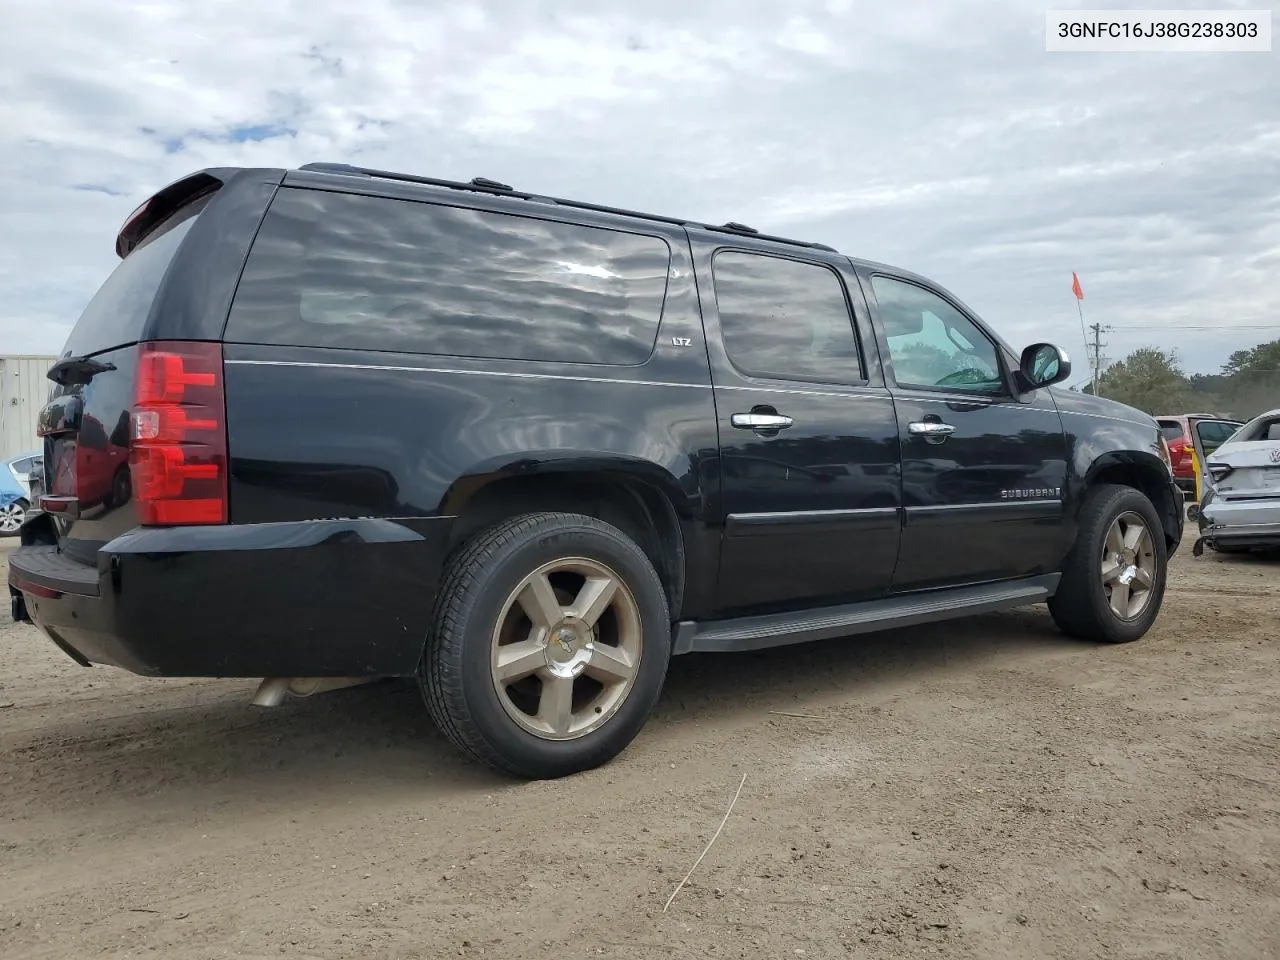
x=706 y=686
x=1266 y=556
x=378 y=737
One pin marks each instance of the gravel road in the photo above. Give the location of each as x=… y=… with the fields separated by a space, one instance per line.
x=983 y=789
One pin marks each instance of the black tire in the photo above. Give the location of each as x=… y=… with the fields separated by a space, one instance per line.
x=23 y=507
x=1080 y=607
x=455 y=673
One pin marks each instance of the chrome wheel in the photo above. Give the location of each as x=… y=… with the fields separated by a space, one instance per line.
x=1128 y=566
x=11 y=517
x=566 y=649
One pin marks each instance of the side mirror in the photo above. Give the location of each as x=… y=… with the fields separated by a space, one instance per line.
x=1043 y=365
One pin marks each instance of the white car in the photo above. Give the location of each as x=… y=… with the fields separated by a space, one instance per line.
x=1241 y=508
x=15 y=490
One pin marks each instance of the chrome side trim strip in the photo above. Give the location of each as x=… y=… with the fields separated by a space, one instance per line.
x=466 y=373
x=811 y=516
x=984 y=504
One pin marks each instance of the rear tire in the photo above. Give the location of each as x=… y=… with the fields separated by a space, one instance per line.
x=1114 y=579
x=550 y=645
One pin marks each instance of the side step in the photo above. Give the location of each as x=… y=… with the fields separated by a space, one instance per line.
x=780 y=629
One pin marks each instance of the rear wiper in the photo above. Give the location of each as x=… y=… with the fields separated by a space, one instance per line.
x=77 y=370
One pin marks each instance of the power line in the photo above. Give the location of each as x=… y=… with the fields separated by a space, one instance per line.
x=1098 y=344
x=1197 y=326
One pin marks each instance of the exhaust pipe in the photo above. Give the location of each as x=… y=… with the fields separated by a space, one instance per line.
x=272 y=690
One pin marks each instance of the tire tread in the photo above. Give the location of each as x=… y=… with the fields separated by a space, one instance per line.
x=440 y=670
x=1075 y=605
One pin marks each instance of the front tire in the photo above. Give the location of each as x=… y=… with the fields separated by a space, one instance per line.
x=550 y=645
x=1114 y=579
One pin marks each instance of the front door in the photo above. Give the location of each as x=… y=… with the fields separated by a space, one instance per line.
x=808 y=439
x=983 y=471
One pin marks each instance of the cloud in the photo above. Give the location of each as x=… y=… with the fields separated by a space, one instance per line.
x=939 y=136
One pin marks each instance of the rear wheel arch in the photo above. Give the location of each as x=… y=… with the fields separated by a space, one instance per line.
x=638 y=506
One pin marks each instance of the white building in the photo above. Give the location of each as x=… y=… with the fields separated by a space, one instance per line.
x=24 y=390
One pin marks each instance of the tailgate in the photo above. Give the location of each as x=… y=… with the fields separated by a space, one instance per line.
x=86 y=426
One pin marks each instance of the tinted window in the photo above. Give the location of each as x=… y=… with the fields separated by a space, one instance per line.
x=785 y=319
x=1171 y=429
x=931 y=343
x=22 y=467
x=1214 y=433
x=118 y=312
x=372 y=273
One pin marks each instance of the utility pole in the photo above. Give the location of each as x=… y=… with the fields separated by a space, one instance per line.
x=1097 y=329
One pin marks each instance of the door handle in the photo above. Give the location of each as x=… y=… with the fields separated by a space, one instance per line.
x=760 y=421
x=931 y=430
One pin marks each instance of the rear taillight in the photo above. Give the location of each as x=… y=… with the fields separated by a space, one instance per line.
x=1178 y=451
x=178 y=446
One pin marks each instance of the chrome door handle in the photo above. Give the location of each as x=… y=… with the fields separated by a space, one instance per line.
x=760 y=421
x=929 y=428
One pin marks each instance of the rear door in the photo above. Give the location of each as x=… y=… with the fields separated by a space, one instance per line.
x=983 y=470
x=808 y=439
x=1211 y=434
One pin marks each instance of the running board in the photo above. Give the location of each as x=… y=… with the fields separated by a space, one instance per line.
x=780 y=629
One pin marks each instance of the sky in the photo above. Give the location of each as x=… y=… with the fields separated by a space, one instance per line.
x=937 y=136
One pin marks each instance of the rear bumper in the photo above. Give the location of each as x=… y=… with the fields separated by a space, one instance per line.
x=1241 y=522
x=326 y=598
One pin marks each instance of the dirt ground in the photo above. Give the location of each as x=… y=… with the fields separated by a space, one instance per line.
x=981 y=789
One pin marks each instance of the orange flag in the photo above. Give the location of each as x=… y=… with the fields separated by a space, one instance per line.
x=1075 y=286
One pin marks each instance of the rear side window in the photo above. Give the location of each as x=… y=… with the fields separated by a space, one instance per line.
x=1262 y=429
x=374 y=273
x=785 y=319
x=117 y=314
x=1171 y=429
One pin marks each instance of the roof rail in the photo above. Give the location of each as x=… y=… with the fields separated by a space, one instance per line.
x=484 y=185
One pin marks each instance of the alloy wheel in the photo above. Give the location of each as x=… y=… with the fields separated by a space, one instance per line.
x=11 y=518
x=566 y=649
x=1128 y=566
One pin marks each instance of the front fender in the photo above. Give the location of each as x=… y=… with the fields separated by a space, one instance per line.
x=1149 y=473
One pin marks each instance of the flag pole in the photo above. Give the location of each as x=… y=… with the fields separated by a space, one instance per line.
x=1084 y=336
x=1078 y=292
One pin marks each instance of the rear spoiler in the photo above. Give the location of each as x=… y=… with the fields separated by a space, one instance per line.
x=161 y=206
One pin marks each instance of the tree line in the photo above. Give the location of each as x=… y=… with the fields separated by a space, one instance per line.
x=1152 y=380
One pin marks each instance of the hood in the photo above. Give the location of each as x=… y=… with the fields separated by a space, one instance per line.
x=1071 y=402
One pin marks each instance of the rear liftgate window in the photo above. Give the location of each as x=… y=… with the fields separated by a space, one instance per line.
x=118 y=312
x=372 y=273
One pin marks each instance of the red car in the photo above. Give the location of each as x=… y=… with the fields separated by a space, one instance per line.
x=1212 y=432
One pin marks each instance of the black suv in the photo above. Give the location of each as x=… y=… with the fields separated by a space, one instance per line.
x=344 y=423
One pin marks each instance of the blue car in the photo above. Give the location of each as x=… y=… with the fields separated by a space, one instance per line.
x=15 y=490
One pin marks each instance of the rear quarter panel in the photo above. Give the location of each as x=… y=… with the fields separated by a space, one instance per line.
x=322 y=433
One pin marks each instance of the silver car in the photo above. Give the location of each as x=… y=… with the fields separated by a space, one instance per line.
x=1241 y=508
x=15 y=483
